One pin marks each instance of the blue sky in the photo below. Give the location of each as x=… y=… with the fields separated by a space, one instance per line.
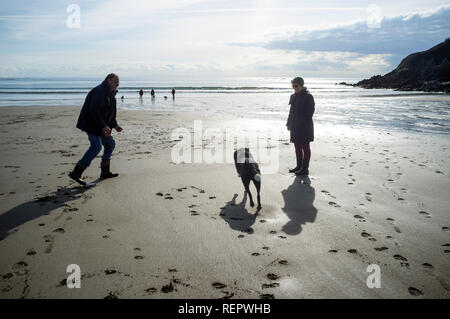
x=199 y=38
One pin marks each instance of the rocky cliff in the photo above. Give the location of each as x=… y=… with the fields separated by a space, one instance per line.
x=422 y=71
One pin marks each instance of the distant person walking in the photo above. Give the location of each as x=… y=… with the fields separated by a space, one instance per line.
x=141 y=92
x=152 y=93
x=300 y=124
x=97 y=118
x=173 y=93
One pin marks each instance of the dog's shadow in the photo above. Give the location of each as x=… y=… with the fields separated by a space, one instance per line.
x=298 y=205
x=237 y=216
x=34 y=209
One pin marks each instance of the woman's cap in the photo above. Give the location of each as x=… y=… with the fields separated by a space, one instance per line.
x=298 y=80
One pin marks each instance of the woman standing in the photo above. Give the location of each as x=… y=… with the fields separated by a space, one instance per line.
x=300 y=124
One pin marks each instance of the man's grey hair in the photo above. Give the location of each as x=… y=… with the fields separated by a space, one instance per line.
x=110 y=76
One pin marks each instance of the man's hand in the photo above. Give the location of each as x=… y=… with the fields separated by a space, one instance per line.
x=107 y=131
x=118 y=128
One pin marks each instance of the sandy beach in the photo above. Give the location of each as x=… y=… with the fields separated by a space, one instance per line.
x=166 y=230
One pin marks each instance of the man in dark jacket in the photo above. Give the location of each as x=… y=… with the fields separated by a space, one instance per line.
x=97 y=118
x=300 y=125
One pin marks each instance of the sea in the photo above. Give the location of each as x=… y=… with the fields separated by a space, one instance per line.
x=249 y=97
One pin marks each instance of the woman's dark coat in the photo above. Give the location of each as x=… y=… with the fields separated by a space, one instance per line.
x=99 y=110
x=300 y=121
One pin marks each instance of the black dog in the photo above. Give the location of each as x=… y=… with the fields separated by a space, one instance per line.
x=248 y=170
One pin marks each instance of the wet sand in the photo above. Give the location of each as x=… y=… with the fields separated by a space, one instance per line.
x=166 y=230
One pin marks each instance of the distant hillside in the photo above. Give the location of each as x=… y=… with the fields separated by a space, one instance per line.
x=423 y=71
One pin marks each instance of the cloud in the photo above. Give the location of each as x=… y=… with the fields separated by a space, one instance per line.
x=397 y=36
x=193 y=37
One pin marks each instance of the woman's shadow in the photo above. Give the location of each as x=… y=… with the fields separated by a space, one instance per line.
x=237 y=216
x=298 y=205
x=27 y=211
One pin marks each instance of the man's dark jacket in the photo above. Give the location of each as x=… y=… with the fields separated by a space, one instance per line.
x=300 y=121
x=99 y=110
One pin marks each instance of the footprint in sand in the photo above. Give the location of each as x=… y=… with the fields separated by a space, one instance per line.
x=333 y=204
x=283 y=262
x=272 y=276
x=228 y=294
x=218 y=285
x=111 y=296
x=20 y=268
x=110 y=271
x=446 y=229
x=397 y=229
x=59 y=230
x=49 y=239
x=361 y=219
x=272 y=232
x=151 y=290
x=400 y=257
x=272 y=285
x=428 y=266
x=267 y=296
x=139 y=257
x=380 y=248
x=334 y=251
x=7 y=276
x=415 y=292
x=31 y=252
x=256 y=254
x=425 y=214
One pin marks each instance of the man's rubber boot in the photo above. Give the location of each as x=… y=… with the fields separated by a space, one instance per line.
x=105 y=170
x=298 y=167
x=304 y=170
x=76 y=173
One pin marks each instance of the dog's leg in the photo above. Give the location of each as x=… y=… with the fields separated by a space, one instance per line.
x=258 y=187
x=246 y=182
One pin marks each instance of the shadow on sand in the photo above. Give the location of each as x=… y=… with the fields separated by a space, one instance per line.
x=27 y=211
x=298 y=205
x=237 y=216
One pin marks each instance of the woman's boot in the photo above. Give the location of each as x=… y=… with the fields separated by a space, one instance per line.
x=304 y=170
x=299 y=165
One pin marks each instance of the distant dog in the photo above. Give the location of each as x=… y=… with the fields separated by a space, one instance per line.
x=248 y=170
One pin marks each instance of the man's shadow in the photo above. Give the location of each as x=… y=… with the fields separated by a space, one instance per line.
x=298 y=205
x=27 y=211
x=237 y=216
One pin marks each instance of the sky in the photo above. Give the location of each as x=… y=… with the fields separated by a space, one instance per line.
x=203 y=39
